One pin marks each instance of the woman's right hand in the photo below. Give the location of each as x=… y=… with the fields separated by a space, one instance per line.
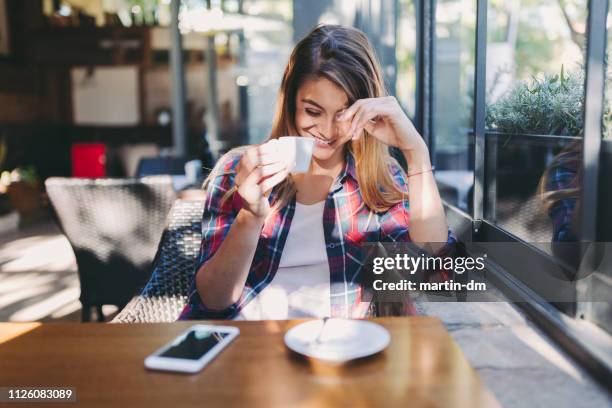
x=259 y=170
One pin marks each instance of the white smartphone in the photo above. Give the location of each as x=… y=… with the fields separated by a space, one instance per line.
x=193 y=349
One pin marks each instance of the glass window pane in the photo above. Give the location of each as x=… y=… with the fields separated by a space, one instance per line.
x=405 y=54
x=599 y=288
x=535 y=83
x=267 y=44
x=453 y=100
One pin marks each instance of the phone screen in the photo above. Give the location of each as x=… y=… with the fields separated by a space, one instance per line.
x=194 y=344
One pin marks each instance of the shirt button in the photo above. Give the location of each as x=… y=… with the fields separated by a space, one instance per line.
x=331 y=246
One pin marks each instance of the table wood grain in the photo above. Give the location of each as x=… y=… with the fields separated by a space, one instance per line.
x=422 y=367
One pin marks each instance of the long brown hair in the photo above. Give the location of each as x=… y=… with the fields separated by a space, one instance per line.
x=344 y=56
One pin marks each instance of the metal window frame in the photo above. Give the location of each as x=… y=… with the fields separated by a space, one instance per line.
x=592 y=142
x=479 y=111
x=179 y=89
x=424 y=92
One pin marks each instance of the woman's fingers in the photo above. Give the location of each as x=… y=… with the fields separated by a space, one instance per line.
x=260 y=173
x=351 y=110
x=262 y=180
x=268 y=158
x=248 y=161
x=251 y=179
x=269 y=146
x=260 y=156
x=260 y=169
x=359 y=113
x=257 y=156
x=370 y=127
x=367 y=113
x=272 y=181
x=271 y=169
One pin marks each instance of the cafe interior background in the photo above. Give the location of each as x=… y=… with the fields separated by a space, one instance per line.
x=122 y=89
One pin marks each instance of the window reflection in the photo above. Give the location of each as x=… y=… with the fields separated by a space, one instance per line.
x=535 y=85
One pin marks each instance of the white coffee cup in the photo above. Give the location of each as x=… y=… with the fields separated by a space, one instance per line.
x=297 y=151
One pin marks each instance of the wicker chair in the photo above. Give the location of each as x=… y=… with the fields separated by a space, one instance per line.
x=113 y=226
x=165 y=295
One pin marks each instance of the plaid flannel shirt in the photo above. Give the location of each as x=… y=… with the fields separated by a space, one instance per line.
x=347 y=223
x=564 y=177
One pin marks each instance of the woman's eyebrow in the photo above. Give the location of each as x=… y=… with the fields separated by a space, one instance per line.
x=310 y=101
x=322 y=108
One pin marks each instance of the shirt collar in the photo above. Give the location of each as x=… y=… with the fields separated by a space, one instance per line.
x=349 y=170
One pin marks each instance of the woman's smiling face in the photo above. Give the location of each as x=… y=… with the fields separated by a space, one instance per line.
x=319 y=102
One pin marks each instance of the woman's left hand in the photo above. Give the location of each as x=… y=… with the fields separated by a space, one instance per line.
x=384 y=119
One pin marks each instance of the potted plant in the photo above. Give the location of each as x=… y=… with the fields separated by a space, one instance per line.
x=24 y=191
x=21 y=196
x=532 y=123
x=9 y=218
x=551 y=105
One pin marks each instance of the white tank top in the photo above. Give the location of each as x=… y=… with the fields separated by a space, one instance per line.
x=301 y=286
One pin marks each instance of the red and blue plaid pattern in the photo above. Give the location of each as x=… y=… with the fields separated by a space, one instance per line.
x=563 y=176
x=347 y=224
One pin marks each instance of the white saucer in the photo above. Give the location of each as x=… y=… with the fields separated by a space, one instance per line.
x=340 y=341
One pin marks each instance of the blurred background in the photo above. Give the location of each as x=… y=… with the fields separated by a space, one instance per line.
x=97 y=96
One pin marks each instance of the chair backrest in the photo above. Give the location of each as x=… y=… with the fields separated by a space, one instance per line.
x=165 y=295
x=114 y=227
x=151 y=166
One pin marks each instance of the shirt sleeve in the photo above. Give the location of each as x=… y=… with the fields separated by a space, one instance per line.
x=218 y=216
x=395 y=226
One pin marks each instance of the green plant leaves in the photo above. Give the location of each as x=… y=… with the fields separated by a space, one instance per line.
x=552 y=105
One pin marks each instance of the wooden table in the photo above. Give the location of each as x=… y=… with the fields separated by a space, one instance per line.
x=422 y=367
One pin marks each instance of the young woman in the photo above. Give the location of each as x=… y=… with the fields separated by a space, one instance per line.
x=281 y=245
